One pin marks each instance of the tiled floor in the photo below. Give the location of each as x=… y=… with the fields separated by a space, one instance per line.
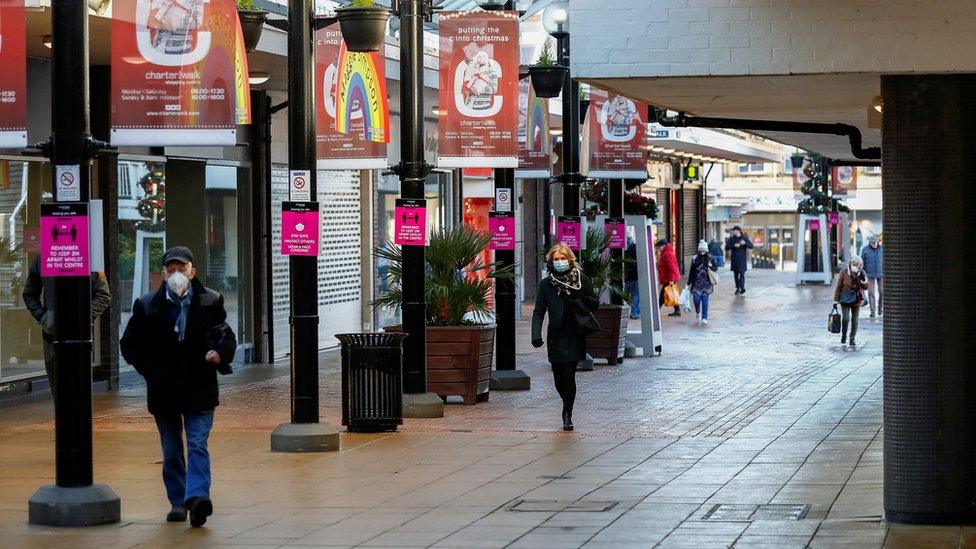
x=758 y=413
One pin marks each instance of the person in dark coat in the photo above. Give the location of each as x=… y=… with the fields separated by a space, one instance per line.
x=873 y=256
x=715 y=250
x=564 y=289
x=631 y=282
x=178 y=340
x=38 y=295
x=738 y=244
x=699 y=282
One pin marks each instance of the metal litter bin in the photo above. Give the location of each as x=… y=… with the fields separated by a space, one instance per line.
x=372 y=381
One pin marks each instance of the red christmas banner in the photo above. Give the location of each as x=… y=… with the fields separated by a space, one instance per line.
x=179 y=73
x=13 y=77
x=479 y=65
x=352 y=113
x=534 y=142
x=614 y=137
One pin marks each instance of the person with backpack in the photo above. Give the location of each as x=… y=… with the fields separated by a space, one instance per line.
x=849 y=294
x=700 y=280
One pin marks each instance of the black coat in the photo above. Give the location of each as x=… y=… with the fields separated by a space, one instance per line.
x=563 y=342
x=178 y=377
x=739 y=256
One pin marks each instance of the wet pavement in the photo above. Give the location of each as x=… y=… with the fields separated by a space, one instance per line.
x=758 y=429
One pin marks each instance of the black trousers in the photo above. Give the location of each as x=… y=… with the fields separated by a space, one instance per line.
x=564 y=374
x=740 y=280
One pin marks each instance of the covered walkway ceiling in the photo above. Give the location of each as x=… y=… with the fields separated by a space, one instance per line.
x=829 y=98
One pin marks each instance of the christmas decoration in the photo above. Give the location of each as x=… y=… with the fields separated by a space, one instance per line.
x=818 y=202
x=595 y=194
x=153 y=205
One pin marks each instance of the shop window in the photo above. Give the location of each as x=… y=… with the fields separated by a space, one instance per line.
x=749 y=169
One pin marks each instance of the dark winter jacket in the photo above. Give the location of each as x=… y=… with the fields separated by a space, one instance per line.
x=178 y=377
x=739 y=256
x=698 y=280
x=630 y=267
x=667 y=266
x=562 y=341
x=873 y=261
x=848 y=281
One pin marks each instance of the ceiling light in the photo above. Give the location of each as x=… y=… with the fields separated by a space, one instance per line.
x=256 y=78
x=555 y=131
x=877 y=104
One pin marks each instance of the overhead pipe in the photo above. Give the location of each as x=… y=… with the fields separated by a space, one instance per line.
x=853 y=133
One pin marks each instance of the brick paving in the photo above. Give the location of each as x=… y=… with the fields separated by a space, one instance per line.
x=737 y=425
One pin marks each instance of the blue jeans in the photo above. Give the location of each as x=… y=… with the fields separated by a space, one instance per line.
x=701 y=304
x=633 y=288
x=184 y=483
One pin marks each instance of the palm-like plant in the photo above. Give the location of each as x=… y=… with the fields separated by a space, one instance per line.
x=9 y=251
x=596 y=264
x=452 y=286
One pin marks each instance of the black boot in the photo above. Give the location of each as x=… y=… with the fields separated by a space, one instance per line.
x=567 y=419
x=843 y=333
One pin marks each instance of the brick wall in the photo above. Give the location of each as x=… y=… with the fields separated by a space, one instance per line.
x=625 y=38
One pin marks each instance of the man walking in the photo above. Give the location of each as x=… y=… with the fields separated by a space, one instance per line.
x=178 y=340
x=38 y=297
x=873 y=256
x=738 y=244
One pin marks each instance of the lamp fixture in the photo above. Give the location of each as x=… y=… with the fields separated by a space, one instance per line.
x=555 y=18
x=556 y=131
x=46 y=40
x=491 y=5
x=877 y=104
x=256 y=78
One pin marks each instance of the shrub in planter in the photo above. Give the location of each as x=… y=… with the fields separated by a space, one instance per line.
x=597 y=265
x=363 y=25
x=457 y=288
x=547 y=76
x=252 y=23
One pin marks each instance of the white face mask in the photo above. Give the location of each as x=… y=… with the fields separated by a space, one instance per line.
x=855 y=269
x=177 y=283
x=561 y=265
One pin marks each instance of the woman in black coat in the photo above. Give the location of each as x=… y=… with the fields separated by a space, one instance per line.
x=561 y=293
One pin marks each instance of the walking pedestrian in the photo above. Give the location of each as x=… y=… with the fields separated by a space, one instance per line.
x=738 y=244
x=178 y=340
x=849 y=294
x=631 y=284
x=38 y=296
x=564 y=295
x=873 y=256
x=700 y=281
x=667 y=271
x=715 y=250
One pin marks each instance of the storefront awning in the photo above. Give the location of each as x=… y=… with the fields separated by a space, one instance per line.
x=711 y=146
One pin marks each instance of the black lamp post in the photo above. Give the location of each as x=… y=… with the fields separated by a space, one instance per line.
x=73 y=500
x=555 y=19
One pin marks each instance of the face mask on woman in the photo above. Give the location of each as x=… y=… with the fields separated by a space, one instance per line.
x=561 y=265
x=855 y=269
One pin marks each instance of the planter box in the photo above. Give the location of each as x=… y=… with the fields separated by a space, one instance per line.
x=459 y=360
x=609 y=342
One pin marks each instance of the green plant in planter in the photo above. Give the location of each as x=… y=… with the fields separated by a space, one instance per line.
x=546 y=56
x=596 y=264
x=362 y=3
x=452 y=255
x=245 y=5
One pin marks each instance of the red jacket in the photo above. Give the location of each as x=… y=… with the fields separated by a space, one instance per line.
x=667 y=266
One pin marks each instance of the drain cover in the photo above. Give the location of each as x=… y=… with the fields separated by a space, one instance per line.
x=557 y=506
x=770 y=511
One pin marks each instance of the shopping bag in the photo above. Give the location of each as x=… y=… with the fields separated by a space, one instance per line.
x=672 y=297
x=833 y=321
x=686 y=301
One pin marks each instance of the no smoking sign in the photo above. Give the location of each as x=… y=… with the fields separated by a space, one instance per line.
x=300 y=190
x=503 y=200
x=68 y=183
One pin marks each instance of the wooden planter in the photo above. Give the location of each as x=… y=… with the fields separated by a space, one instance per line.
x=459 y=360
x=609 y=342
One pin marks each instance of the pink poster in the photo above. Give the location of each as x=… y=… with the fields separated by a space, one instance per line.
x=410 y=222
x=64 y=239
x=813 y=225
x=616 y=232
x=569 y=231
x=300 y=228
x=501 y=227
x=834 y=218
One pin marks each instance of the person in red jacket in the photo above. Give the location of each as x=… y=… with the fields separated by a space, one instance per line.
x=667 y=270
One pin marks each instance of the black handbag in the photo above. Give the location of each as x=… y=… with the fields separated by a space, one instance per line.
x=586 y=323
x=833 y=321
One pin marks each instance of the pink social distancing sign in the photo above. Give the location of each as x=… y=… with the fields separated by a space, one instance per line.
x=64 y=249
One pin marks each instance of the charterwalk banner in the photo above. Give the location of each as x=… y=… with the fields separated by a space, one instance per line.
x=479 y=65
x=179 y=73
x=534 y=141
x=13 y=77
x=614 y=137
x=352 y=112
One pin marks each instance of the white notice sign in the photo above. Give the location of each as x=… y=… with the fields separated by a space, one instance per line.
x=503 y=200
x=68 y=180
x=300 y=188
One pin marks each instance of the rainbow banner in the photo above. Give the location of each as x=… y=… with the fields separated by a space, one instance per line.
x=534 y=141
x=360 y=89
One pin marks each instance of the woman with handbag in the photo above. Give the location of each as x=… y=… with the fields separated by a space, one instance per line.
x=849 y=293
x=702 y=278
x=568 y=299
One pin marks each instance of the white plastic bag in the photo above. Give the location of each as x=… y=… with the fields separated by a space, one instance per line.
x=685 y=299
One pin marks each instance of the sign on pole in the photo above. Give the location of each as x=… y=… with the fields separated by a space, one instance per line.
x=569 y=231
x=501 y=229
x=534 y=141
x=64 y=239
x=68 y=182
x=300 y=228
x=479 y=66
x=410 y=222
x=614 y=137
x=300 y=185
x=13 y=77
x=616 y=229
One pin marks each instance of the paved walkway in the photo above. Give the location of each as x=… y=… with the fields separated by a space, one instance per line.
x=756 y=430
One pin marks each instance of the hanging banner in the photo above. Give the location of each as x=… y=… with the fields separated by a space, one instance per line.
x=300 y=228
x=534 y=143
x=352 y=112
x=410 y=222
x=501 y=229
x=569 y=231
x=179 y=73
x=64 y=239
x=614 y=137
x=616 y=229
x=13 y=77
x=479 y=65
x=843 y=180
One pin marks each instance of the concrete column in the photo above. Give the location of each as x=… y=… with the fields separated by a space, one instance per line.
x=929 y=385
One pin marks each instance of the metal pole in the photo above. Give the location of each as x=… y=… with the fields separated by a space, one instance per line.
x=571 y=115
x=615 y=200
x=304 y=269
x=505 y=289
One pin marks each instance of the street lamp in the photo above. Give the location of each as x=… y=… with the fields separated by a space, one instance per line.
x=555 y=19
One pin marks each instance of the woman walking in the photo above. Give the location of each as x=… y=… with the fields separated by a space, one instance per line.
x=700 y=280
x=565 y=296
x=849 y=293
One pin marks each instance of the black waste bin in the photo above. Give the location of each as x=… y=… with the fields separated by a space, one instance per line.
x=372 y=381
